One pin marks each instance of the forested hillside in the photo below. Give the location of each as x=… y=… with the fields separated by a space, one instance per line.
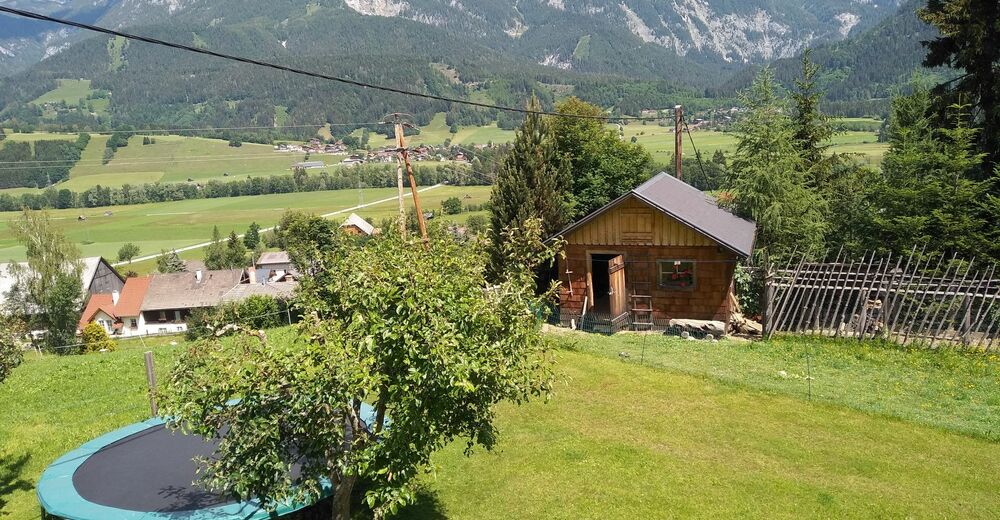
x=859 y=73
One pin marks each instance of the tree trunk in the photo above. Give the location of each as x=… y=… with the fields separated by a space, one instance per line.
x=341 y=503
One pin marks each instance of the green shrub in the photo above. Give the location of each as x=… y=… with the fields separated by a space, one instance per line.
x=96 y=339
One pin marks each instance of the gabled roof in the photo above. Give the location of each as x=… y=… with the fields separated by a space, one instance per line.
x=184 y=291
x=87 y=272
x=129 y=301
x=97 y=302
x=691 y=207
x=355 y=220
x=134 y=292
x=273 y=257
x=279 y=290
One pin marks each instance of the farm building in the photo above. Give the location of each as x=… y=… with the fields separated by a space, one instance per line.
x=97 y=276
x=355 y=225
x=170 y=298
x=663 y=251
x=119 y=312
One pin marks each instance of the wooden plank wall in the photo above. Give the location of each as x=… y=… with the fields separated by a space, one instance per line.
x=633 y=222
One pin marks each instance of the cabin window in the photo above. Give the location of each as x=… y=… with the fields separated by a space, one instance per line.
x=133 y=323
x=676 y=274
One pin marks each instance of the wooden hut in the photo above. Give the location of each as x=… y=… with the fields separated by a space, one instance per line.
x=663 y=251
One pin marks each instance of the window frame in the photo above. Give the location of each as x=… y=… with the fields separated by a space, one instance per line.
x=674 y=262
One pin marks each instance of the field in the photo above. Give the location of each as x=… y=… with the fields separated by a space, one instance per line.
x=178 y=159
x=436 y=132
x=71 y=91
x=618 y=439
x=170 y=225
x=659 y=140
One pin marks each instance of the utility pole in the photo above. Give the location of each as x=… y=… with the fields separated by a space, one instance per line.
x=678 y=139
x=404 y=154
x=399 y=177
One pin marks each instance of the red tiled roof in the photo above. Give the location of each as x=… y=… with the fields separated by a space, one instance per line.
x=98 y=302
x=129 y=302
x=132 y=296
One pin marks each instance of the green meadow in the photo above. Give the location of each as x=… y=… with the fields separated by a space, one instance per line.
x=659 y=141
x=619 y=439
x=171 y=225
x=71 y=92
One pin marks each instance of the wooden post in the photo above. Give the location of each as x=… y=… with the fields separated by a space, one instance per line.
x=151 y=381
x=768 y=303
x=399 y=179
x=416 y=198
x=678 y=139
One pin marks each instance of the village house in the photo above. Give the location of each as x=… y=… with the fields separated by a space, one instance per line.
x=272 y=267
x=309 y=165
x=119 y=312
x=97 y=276
x=663 y=251
x=170 y=298
x=355 y=225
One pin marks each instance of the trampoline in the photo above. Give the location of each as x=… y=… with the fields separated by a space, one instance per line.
x=144 y=471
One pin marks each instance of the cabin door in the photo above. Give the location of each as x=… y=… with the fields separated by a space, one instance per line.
x=616 y=282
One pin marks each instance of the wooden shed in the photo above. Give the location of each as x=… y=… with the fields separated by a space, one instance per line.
x=663 y=251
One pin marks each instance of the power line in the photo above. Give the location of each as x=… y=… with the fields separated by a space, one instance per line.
x=697 y=154
x=284 y=68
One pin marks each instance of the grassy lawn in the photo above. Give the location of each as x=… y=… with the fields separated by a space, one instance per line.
x=71 y=92
x=170 y=225
x=946 y=389
x=619 y=440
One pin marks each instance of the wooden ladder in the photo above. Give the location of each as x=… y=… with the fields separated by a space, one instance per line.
x=642 y=312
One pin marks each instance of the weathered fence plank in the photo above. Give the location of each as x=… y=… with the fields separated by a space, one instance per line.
x=903 y=299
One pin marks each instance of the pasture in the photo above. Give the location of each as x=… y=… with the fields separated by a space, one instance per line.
x=659 y=141
x=617 y=440
x=72 y=92
x=170 y=225
x=437 y=131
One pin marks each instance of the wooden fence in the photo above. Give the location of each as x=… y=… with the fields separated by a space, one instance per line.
x=914 y=298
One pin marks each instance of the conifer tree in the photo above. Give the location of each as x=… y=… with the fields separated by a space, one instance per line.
x=215 y=253
x=970 y=30
x=170 y=262
x=812 y=128
x=532 y=182
x=765 y=182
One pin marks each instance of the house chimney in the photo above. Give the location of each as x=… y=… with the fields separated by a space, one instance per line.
x=197 y=276
x=114 y=297
x=252 y=275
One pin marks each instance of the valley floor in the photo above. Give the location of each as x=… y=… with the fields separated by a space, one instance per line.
x=697 y=429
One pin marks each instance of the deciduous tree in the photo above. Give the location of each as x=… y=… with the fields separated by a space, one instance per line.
x=48 y=288
x=417 y=332
x=603 y=166
x=127 y=252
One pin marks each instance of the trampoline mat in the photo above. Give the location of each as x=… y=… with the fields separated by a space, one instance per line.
x=149 y=471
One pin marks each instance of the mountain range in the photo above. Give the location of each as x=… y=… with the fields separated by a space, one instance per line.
x=623 y=54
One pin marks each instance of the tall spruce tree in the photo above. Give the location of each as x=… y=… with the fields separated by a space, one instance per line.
x=970 y=32
x=930 y=193
x=215 y=253
x=533 y=181
x=765 y=181
x=812 y=128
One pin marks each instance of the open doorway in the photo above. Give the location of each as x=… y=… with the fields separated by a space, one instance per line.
x=607 y=278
